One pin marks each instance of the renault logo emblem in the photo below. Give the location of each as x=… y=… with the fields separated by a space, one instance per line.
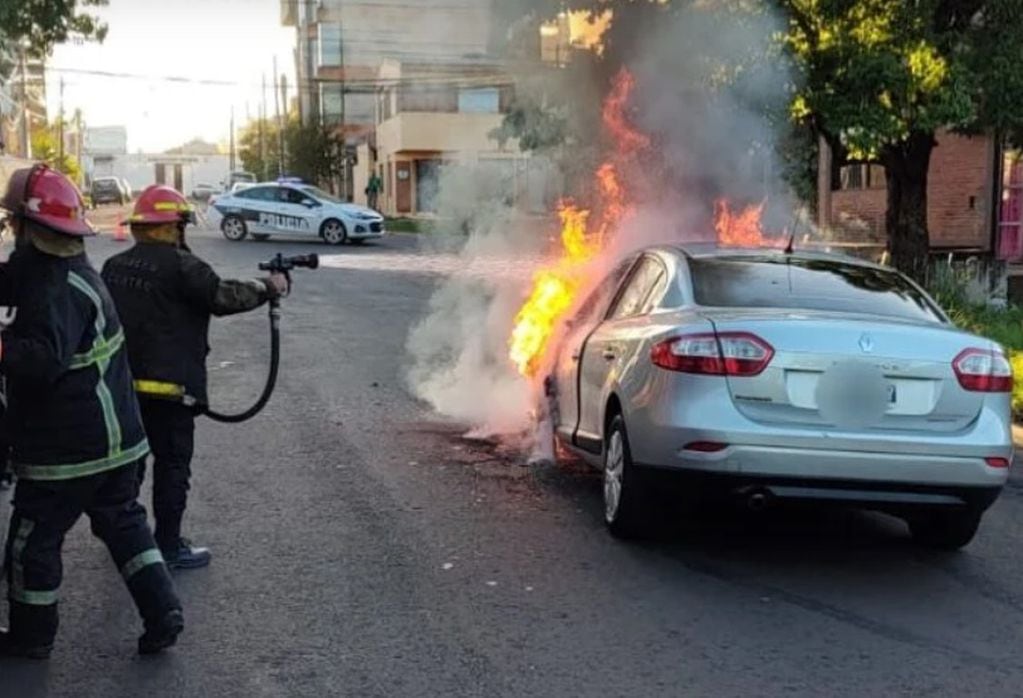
x=866 y=343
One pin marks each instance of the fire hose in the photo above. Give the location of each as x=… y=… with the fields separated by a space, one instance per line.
x=279 y=264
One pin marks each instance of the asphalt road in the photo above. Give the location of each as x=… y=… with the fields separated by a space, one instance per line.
x=363 y=549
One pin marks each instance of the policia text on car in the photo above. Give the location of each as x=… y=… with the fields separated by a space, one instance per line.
x=165 y=296
x=68 y=377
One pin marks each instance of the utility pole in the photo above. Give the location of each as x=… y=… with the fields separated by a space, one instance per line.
x=231 y=166
x=78 y=146
x=26 y=135
x=280 y=124
x=262 y=132
x=60 y=128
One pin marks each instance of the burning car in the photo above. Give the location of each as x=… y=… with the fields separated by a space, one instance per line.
x=777 y=375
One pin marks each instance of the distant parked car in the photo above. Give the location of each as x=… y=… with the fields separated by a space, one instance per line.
x=291 y=209
x=108 y=190
x=203 y=192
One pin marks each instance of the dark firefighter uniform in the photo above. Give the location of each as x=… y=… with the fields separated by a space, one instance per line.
x=165 y=296
x=72 y=422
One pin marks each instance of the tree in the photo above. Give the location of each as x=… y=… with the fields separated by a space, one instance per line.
x=41 y=25
x=313 y=152
x=46 y=148
x=879 y=78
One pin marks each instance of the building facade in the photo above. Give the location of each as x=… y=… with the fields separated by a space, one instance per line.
x=430 y=117
x=973 y=197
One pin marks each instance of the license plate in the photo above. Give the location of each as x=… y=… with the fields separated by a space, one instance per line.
x=892 y=394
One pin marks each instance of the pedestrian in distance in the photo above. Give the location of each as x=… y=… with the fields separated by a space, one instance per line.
x=166 y=296
x=373 y=189
x=72 y=421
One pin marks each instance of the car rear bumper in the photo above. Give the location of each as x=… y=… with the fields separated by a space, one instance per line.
x=762 y=490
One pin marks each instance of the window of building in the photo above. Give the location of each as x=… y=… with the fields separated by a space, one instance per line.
x=420 y=98
x=359 y=108
x=1010 y=208
x=861 y=176
x=329 y=35
x=485 y=100
x=332 y=110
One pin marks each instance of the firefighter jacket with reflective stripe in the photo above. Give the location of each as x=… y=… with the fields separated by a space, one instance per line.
x=71 y=408
x=165 y=296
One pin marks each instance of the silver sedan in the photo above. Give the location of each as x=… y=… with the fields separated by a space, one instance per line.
x=771 y=376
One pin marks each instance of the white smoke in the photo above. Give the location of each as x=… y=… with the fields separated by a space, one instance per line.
x=459 y=351
x=705 y=144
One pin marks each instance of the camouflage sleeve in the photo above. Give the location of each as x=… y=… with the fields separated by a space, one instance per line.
x=219 y=296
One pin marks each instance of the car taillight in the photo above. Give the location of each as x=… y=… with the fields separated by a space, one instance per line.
x=721 y=354
x=983 y=371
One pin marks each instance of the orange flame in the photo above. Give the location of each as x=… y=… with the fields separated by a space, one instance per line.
x=741 y=229
x=555 y=288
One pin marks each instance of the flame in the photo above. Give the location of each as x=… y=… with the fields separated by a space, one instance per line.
x=555 y=288
x=741 y=229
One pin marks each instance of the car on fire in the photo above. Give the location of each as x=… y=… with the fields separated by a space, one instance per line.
x=773 y=376
x=292 y=208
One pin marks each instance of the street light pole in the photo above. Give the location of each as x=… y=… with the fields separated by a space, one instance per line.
x=26 y=136
x=60 y=128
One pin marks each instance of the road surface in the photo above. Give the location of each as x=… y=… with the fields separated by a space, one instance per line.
x=363 y=549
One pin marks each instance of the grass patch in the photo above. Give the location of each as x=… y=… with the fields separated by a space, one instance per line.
x=409 y=225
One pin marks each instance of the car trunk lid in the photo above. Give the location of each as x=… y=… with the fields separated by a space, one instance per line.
x=844 y=371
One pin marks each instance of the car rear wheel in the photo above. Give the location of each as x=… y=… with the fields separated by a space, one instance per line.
x=945 y=530
x=625 y=500
x=333 y=232
x=234 y=228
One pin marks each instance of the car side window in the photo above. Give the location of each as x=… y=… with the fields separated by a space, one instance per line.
x=646 y=274
x=292 y=196
x=258 y=193
x=592 y=309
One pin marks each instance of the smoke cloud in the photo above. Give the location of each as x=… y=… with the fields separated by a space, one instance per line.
x=711 y=105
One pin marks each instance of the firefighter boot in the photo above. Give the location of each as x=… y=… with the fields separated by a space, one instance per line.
x=183 y=556
x=9 y=647
x=162 y=634
x=32 y=631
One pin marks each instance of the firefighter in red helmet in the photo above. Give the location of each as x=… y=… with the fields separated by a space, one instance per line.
x=73 y=421
x=166 y=296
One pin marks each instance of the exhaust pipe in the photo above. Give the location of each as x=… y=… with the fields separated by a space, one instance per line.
x=758 y=500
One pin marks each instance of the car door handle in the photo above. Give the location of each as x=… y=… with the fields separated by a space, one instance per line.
x=610 y=354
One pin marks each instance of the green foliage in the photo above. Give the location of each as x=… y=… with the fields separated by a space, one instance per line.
x=875 y=71
x=46 y=148
x=42 y=24
x=313 y=152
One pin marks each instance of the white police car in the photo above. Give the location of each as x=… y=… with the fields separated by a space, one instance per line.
x=291 y=208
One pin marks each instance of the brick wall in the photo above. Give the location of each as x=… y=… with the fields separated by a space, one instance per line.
x=959 y=192
x=958 y=197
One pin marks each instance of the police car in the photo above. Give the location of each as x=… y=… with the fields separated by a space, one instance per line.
x=291 y=208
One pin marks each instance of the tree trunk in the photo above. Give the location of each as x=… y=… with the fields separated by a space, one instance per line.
x=905 y=167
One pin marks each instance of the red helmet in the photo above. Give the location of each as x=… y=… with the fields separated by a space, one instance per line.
x=49 y=198
x=162 y=204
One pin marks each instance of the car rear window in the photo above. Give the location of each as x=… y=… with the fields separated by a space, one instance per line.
x=807 y=284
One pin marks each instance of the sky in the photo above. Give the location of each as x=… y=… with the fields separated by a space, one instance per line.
x=233 y=41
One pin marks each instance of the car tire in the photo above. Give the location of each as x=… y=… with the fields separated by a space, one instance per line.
x=260 y=237
x=625 y=497
x=945 y=530
x=234 y=228
x=333 y=232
